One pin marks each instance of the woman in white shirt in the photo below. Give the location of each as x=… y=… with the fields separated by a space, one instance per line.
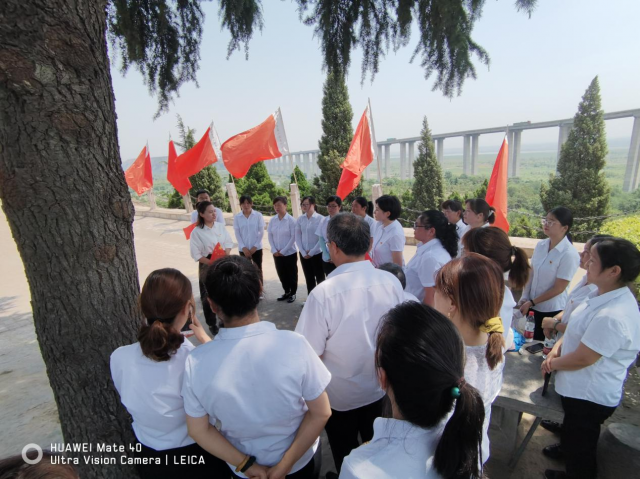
x=438 y=244
x=257 y=387
x=248 y=226
x=282 y=240
x=436 y=415
x=554 y=263
x=452 y=209
x=362 y=208
x=469 y=291
x=334 y=206
x=307 y=242
x=203 y=242
x=592 y=358
x=148 y=377
x=513 y=261
x=388 y=239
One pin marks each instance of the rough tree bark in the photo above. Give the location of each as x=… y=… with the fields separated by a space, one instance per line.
x=64 y=195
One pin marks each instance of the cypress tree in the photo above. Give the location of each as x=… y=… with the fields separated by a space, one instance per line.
x=428 y=189
x=259 y=185
x=580 y=183
x=303 y=185
x=337 y=134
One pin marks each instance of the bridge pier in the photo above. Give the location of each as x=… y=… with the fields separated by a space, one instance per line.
x=440 y=151
x=466 y=155
x=515 y=139
x=387 y=155
x=632 y=176
x=403 y=159
x=563 y=135
x=412 y=152
x=475 y=143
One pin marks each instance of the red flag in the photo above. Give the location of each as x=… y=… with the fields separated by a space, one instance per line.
x=361 y=153
x=497 y=189
x=263 y=142
x=218 y=252
x=179 y=182
x=189 y=229
x=138 y=175
x=200 y=156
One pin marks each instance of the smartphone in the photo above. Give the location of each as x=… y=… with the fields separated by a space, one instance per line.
x=535 y=348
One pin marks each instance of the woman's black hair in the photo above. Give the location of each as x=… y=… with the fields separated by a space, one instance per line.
x=478 y=205
x=201 y=208
x=446 y=232
x=423 y=356
x=280 y=199
x=334 y=199
x=367 y=205
x=390 y=204
x=565 y=218
x=622 y=253
x=233 y=284
x=310 y=199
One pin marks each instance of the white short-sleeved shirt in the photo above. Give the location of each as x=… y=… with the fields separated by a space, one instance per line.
x=409 y=297
x=461 y=230
x=340 y=320
x=488 y=383
x=561 y=262
x=608 y=324
x=423 y=267
x=254 y=380
x=306 y=237
x=150 y=390
x=203 y=240
x=578 y=294
x=506 y=313
x=249 y=231
x=398 y=449
x=219 y=216
x=282 y=234
x=387 y=239
x=373 y=224
x=321 y=232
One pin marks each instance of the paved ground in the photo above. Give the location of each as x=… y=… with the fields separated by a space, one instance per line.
x=27 y=410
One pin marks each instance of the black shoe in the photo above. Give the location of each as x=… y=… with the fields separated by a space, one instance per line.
x=291 y=299
x=552 y=426
x=284 y=297
x=331 y=475
x=551 y=474
x=554 y=451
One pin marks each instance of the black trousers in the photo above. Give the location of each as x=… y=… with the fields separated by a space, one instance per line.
x=538 y=333
x=287 y=269
x=580 y=434
x=313 y=271
x=310 y=471
x=256 y=258
x=209 y=316
x=171 y=467
x=328 y=267
x=343 y=428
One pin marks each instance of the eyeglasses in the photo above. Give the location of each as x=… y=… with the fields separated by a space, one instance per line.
x=333 y=206
x=546 y=222
x=305 y=204
x=416 y=226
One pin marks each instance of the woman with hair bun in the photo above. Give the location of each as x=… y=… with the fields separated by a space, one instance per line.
x=439 y=243
x=478 y=213
x=554 y=263
x=469 y=291
x=148 y=376
x=513 y=261
x=592 y=358
x=434 y=428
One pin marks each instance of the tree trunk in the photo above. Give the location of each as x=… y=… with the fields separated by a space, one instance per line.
x=64 y=195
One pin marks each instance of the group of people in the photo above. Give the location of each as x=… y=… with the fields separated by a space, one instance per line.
x=398 y=363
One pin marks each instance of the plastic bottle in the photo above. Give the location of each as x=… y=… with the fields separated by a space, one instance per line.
x=548 y=346
x=529 y=327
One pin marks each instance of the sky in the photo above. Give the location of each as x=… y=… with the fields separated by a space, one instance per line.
x=540 y=68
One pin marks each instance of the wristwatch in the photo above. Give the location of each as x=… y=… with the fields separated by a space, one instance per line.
x=555 y=324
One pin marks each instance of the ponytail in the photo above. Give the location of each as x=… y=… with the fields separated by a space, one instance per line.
x=446 y=232
x=520 y=268
x=159 y=341
x=458 y=454
x=491 y=218
x=494 y=353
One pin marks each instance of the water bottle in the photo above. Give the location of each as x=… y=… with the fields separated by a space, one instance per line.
x=548 y=346
x=529 y=327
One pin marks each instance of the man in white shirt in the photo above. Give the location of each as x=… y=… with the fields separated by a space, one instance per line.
x=248 y=225
x=340 y=320
x=203 y=195
x=452 y=209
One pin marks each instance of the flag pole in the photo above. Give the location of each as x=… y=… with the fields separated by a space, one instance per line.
x=375 y=142
x=284 y=131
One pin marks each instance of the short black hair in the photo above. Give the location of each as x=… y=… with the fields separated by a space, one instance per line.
x=280 y=199
x=244 y=198
x=310 y=199
x=233 y=284
x=453 y=205
x=390 y=204
x=202 y=192
x=335 y=199
x=350 y=233
x=395 y=270
x=622 y=253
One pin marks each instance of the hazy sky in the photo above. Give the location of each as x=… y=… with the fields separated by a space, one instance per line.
x=540 y=68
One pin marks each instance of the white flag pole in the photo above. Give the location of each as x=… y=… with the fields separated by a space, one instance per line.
x=286 y=143
x=375 y=143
